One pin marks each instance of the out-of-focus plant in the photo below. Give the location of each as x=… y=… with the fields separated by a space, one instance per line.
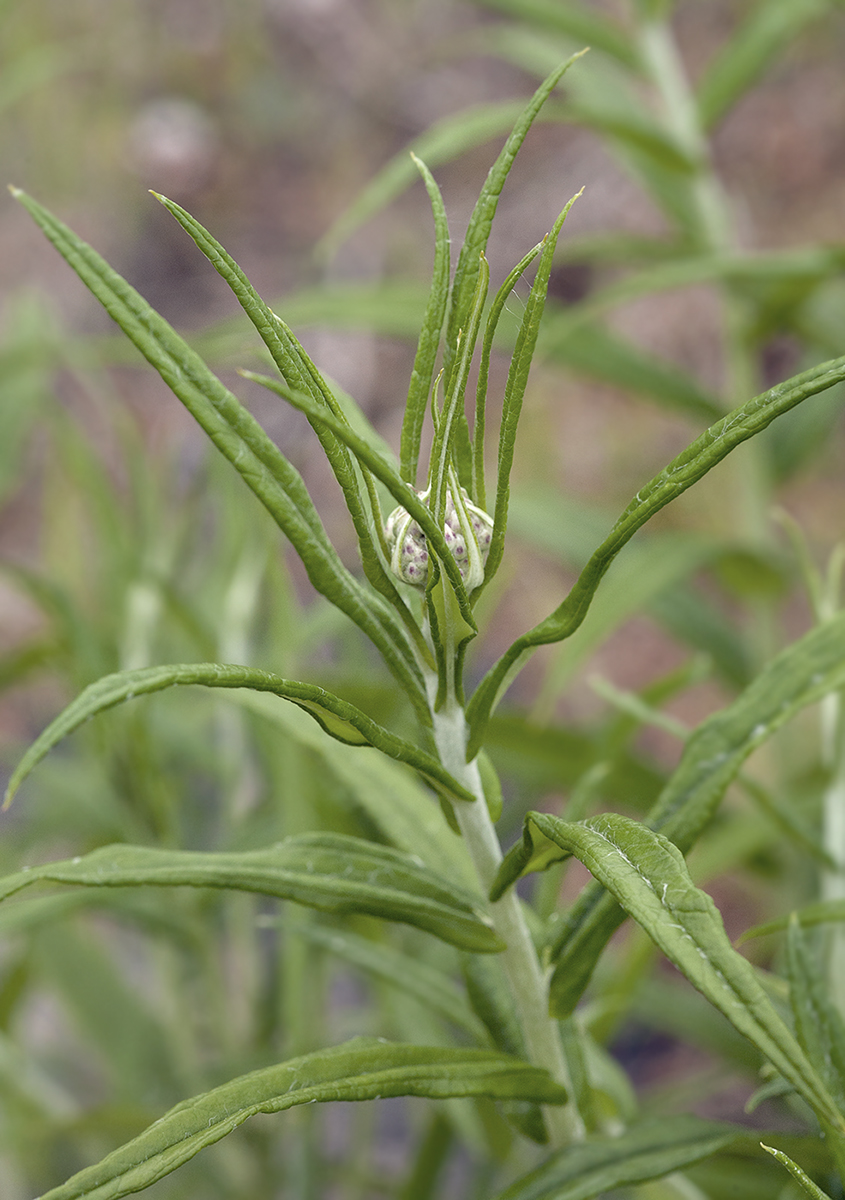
x=363 y=840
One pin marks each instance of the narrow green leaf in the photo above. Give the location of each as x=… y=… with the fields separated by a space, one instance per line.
x=478 y=490
x=647 y=875
x=806 y=1182
x=337 y=717
x=520 y=366
x=478 y=231
x=691 y=465
x=769 y=27
x=300 y=374
x=330 y=872
x=242 y=441
x=648 y=1150
x=799 y=676
x=818 y=1023
x=429 y=339
x=386 y=474
x=430 y=986
x=363 y=1069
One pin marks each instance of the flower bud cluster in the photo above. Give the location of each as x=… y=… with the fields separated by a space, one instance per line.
x=468 y=540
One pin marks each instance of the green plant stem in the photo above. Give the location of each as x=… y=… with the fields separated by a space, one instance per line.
x=520 y=961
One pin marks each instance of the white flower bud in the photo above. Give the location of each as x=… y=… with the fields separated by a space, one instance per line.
x=467 y=530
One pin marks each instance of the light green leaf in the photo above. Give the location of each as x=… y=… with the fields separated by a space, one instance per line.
x=363 y=1069
x=806 y=1182
x=478 y=230
x=429 y=339
x=430 y=986
x=243 y=442
x=647 y=875
x=648 y=1150
x=520 y=366
x=818 y=1023
x=685 y=470
x=801 y=675
x=330 y=872
x=337 y=717
x=769 y=27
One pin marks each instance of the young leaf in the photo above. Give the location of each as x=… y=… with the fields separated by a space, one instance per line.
x=647 y=875
x=518 y=371
x=801 y=675
x=330 y=872
x=429 y=339
x=243 y=442
x=805 y=1181
x=648 y=1150
x=363 y=1069
x=691 y=465
x=478 y=231
x=337 y=717
x=300 y=374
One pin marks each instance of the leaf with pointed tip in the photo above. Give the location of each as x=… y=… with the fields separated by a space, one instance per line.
x=239 y=437
x=648 y=877
x=429 y=339
x=330 y=872
x=803 y=1178
x=478 y=230
x=686 y=469
x=337 y=717
x=648 y=1150
x=363 y=1069
x=800 y=675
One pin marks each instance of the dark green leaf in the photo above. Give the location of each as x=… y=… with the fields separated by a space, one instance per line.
x=363 y=1069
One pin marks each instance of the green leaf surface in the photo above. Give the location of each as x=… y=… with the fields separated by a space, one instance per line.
x=428 y=344
x=684 y=470
x=575 y=20
x=648 y=1150
x=331 y=872
x=412 y=975
x=795 y=1171
x=822 y=912
x=363 y=1069
x=239 y=437
x=478 y=230
x=337 y=717
x=648 y=877
x=818 y=1023
x=800 y=675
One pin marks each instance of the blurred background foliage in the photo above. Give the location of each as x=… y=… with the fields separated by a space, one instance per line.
x=700 y=266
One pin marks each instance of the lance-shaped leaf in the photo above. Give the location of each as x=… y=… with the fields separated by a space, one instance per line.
x=682 y=472
x=300 y=373
x=647 y=875
x=337 y=717
x=648 y=1150
x=478 y=231
x=386 y=474
x=239 y=437
x=331 y=872
x=518 y=371
x=799 y=676
x=363 y=1069
x=795 y=1171
x=429 y=339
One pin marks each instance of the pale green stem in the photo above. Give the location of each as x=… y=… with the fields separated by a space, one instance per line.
x=522 y=967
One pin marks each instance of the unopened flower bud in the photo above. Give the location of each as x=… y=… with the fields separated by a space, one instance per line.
x=468 y=541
